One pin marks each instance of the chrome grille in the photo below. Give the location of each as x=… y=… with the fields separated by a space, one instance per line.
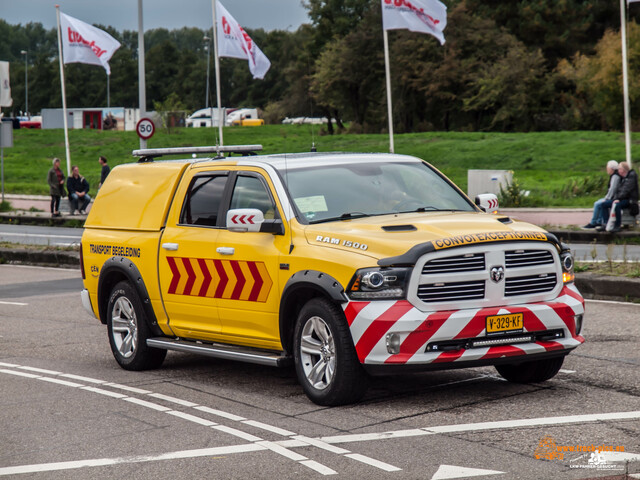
x=530 y=284
x=445 y=292
x=458 y=263
x=461 y=277
x=527 y=258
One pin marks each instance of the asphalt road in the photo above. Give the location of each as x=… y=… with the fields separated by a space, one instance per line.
x=40 y=235
x=67 y=411
x=60 y=236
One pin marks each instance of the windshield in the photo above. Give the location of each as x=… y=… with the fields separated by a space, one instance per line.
x=344 y=191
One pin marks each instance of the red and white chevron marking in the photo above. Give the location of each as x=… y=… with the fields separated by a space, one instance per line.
x=243 y=219
x=370 y=322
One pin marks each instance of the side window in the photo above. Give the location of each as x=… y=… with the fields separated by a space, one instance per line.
x=202 y=203
x=250 y=192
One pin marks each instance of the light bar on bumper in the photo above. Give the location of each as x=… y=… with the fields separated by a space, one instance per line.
x=379 y=283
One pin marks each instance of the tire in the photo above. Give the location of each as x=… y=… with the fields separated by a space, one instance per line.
x=128 y=330
x=326 y=362
x=531 y=372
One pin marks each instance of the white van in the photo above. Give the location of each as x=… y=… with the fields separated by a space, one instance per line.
x=235 y=117
x=205 y=117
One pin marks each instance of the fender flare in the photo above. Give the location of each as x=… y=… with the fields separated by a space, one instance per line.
x=128 y=269
x=322 y=283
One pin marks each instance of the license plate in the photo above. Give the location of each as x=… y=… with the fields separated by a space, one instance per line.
x=511 y=322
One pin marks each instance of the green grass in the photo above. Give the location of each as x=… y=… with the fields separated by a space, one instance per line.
x=543 y=163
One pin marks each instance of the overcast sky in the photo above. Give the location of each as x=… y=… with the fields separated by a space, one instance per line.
x=170 y=14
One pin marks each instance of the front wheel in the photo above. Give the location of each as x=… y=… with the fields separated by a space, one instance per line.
x=128 y=330
x=326 y=362
x=531 y=372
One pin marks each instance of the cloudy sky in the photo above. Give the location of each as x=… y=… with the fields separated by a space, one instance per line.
x=170 y=14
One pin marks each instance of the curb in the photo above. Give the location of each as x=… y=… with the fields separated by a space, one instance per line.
x=24 y=256
x=591 y=236
x=603 y=287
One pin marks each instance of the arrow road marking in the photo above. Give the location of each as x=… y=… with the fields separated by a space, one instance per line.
x=452 y=471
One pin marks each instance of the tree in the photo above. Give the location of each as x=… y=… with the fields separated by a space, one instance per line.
x=598 y=79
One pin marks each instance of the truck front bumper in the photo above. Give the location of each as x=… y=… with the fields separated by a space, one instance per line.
x=387 y=333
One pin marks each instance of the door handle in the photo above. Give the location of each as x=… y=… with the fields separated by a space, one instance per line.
x=226 y=250
x=170 y=246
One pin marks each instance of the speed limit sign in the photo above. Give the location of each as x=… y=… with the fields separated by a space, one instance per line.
x=145 y=128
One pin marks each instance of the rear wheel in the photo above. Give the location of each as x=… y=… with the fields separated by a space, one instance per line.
x=128 y=330
x=531 y=372
x=326 y=362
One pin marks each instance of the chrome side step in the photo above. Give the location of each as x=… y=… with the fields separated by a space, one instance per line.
x=227 y=352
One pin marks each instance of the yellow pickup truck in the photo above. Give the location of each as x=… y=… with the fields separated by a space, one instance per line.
x=346 y=265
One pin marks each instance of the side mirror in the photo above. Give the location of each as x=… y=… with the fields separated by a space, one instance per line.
x=244 y=220
x=488 y=202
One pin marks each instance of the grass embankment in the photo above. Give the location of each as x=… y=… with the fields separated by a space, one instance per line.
x=558 y=168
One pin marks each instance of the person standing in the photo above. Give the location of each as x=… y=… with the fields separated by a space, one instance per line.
x=626 y=194
x=601 y=207
x=55 y=179
x=78 y=191
x=105 y=170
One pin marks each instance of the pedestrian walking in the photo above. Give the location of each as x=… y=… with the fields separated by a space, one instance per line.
x=104 y=172
x=55 y=179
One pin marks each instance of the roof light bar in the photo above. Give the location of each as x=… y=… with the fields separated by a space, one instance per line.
x=217 y=149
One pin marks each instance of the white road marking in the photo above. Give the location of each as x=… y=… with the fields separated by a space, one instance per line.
x=144 y=403
x=562 y=370
x=192 y=418
x=104 y=392
x=40 y=370
x=66 y=383
x=452 y=471
x=220 y=413
x=613 y=302
x=184 y=403
x=318 y=467
x=285 y=452
x=128 y=388
x=475 y=427
x=373 y=462
x=19 y=304
x=257 y=441
x=269 y=428
x=101 y=462
x=20 y=374
x=237 y=433
x=82 y=379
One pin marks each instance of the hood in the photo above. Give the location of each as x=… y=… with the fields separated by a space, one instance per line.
x=393 y=235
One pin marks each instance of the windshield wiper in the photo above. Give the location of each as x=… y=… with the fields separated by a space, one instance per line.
x=344 y=216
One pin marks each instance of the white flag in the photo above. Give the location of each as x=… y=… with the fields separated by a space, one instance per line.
x=5 y=87
x=234 y=42
x=424 y=16
x=84 y=43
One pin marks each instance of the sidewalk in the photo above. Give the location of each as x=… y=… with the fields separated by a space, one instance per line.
x=38 y=206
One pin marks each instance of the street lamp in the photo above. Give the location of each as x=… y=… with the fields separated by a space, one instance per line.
x=206 y=41
x=26 y=83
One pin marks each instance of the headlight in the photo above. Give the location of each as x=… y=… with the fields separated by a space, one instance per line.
x=379 y=283
x=566 y=259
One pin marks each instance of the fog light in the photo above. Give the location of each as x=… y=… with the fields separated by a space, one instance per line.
x=393 y=343
x=578 y=321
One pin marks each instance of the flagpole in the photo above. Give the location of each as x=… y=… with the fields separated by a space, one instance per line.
x=217 y=65
x=625 y=82
x=64 y=96
x=388 y=77
x=142 y=97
